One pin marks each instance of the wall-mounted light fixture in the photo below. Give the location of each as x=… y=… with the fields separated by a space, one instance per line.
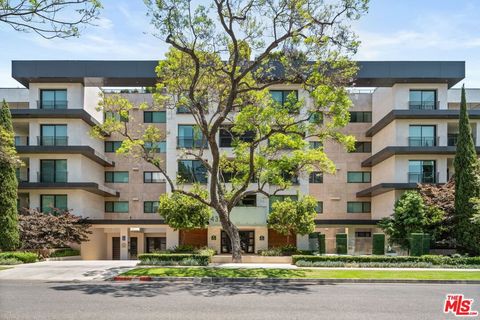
x=262 y=238
x=213 y=238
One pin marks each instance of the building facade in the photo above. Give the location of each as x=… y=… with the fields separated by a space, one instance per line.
x=404 y=118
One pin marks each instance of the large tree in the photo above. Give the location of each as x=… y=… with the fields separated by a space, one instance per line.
x=8 y=182
x=49 y=18
x=222 y=60
x=467 y=185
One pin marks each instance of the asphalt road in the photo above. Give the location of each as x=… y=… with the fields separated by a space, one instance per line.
x=107 y=300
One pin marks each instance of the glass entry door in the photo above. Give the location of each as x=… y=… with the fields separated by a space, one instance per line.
x=247 y=242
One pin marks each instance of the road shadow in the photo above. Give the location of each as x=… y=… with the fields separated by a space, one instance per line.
x=153 y=289
x=106 y=274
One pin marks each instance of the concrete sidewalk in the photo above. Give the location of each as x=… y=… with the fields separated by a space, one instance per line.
x=97 y=270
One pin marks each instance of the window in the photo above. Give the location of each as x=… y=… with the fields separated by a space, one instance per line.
x=319 y=207
x=53 y=171
x=48 y=202
x=315 y=144
x=276 y=198
x=421 y=171
x=358 y=176
x=248 y=201
x=116 y=116
x=155 y=244
x=362 y=147
x=152 y=177
x=53 y=99
x=116 y=206
x=192 y=171
x=227 y=137
x=316 y=177
x=358 y=207
x=282 y=96
x=157 y=147
x=316 y=117
x=360 y=116
x=363 y=234
x=189 y=136
x=53 y=135
x=422 y=136
x=112 y=146
x=423 y=99
x=154 y=117
x=116 y=176
x=150 y=206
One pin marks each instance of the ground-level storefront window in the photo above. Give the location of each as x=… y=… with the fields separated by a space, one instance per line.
x=156 y=244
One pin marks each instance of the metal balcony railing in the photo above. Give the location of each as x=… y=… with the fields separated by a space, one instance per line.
x=452 y=140
x=52 y=176
x=21 y=141
x=191 y=143
x=423 y=105
x=423 y=177
x=52 y=141
x=52 y=104
x=422 y=141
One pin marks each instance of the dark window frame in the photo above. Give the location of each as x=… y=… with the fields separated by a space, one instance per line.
x=113 y=146
x=360 y=116
x=363 y=180
x=55 y=172
x=315 y=177
x=113 y=209
x=194 y=178
x=366 y=206
x=112 y=175
x=151 y=209
x=56 y=103
x=362 y=147
x=54 y=201
x=146 y=173
x=148 y=116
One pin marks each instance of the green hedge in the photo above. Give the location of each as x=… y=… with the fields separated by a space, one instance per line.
x=67 y=252
x=321 y=243
x=435 y=260
x=25 y=257
x=180 y=258
x=378 y=244
x=341 y=239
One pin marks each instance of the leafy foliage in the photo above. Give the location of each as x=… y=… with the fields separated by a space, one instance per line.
x=223 y=59
x=9 y=238
x=289 y=217
x=44 y=230
x=411 y=215
x=49 y=18
x=467 y=183
x=183 y=212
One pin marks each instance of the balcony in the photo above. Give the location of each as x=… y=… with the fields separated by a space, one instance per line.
x=423 y=177
x=191 y=143
x=22 y=174
x=49 y=176
x=59 y=141
x=423 y=105
x=21 y=141
x=422 y=141
x=52 y=104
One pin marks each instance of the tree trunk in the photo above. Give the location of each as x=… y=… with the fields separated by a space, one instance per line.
x=233 y=234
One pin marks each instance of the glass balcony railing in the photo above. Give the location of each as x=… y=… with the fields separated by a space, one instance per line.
x=52 y=176
x=21 y=141
x=452 y=140
x=52 y=140
x=22 y=175
x=422 y=177
x=423 y=105
x=191 y=143
x=52 y=104
x=422 y=141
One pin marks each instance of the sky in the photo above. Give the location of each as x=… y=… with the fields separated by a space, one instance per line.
x=391 y=30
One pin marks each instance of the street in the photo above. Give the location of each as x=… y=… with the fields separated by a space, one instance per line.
x=109 y=300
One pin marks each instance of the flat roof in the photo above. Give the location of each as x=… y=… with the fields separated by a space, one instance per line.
x=117 y=73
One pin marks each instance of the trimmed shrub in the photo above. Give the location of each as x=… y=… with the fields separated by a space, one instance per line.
x=172 y=259
x=338 y=264
x=9 y=261
x=25 y=257
x=341 y=239
x=206 y=251
x=321 y=243
x=419 y=244
x=67 y=252
x=183 y=248
x=378 y=244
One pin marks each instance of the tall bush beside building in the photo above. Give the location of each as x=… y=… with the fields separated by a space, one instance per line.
x=341 y=239
x=467 y=186
x=9 y=237
x=378 y=246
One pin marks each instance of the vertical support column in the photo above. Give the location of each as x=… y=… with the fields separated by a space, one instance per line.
x=124 y=234
x=172 y=238
x=351 y=240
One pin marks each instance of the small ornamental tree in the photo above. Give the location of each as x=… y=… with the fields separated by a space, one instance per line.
x=291 y=217
x=467 y=186
x=8 y=182
x=51 y=230
x=410 y=215
x=223 y=58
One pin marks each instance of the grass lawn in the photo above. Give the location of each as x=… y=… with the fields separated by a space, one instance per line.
x=4 y=268
x=304 y=273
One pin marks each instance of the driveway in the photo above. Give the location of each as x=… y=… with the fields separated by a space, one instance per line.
x=95 y=270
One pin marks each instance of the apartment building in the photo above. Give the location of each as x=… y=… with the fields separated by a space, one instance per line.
x=404 y=117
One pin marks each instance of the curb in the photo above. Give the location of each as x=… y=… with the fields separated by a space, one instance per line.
x=283 y=281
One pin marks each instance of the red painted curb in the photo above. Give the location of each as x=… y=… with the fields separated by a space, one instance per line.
x=132 y=278
x=122 y=278
x=145 y=278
